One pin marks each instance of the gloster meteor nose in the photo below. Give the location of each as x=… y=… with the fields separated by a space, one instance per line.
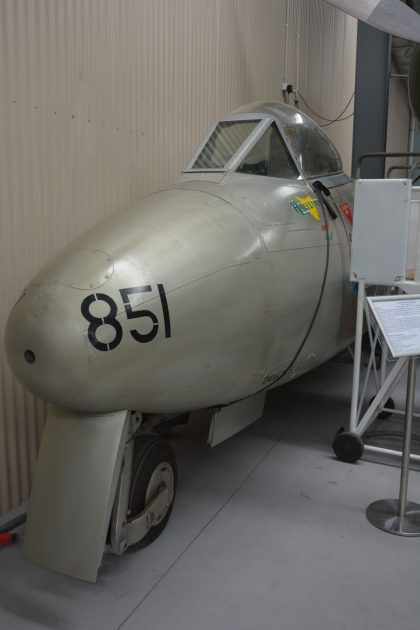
x=139 y=312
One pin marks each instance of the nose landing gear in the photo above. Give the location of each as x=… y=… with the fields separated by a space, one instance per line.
x=145 y=493
x=154 y=475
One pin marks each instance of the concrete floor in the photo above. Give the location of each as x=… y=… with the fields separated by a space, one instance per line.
x=268 y=532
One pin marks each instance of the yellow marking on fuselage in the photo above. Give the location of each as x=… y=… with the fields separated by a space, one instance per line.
x=311 y=205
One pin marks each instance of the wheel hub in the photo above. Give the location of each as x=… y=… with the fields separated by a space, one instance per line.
x=162 y=477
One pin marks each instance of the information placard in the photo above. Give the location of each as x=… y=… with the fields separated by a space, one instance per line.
x=398 y=317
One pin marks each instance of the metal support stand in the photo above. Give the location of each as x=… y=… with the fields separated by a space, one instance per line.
x=361 y=294
x=399 y=516
x=394 y=271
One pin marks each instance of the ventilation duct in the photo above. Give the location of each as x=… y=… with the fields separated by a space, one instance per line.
x=406 y=56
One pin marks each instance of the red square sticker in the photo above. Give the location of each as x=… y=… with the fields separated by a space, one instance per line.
x=347 y=212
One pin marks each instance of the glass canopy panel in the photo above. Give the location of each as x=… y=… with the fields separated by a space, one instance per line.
x=224 y=142
x=313 y=149
x=270 y=157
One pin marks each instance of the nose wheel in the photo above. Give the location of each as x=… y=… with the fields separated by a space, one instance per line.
x=153 y=471
x=145 y=493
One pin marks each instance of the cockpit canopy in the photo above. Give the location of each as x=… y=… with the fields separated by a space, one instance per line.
x=268 y=139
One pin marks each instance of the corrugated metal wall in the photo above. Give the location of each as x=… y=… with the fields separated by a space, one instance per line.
x=102 y=101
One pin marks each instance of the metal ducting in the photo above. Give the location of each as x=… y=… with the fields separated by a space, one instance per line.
x=406 y=56
x=390 y=16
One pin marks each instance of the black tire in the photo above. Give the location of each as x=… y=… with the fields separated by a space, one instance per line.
x=149 y=454
x=348 y=446
x=385 y=414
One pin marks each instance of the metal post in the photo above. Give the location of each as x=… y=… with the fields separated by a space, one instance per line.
x=400 y=516
x=384 y=359
x=357 y=354
x=405 y=465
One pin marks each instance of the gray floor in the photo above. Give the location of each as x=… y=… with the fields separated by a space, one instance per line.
x=268 y=532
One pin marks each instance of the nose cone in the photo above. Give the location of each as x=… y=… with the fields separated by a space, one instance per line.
x=44 y=345
x=45 y=337
x=157 y=308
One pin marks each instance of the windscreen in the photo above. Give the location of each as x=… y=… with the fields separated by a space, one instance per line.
x=223 y=143
x=269 y=157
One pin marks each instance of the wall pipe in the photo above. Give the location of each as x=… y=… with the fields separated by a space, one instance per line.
x=286 y=49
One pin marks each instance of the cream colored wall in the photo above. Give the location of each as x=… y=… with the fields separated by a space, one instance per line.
x=102 y=101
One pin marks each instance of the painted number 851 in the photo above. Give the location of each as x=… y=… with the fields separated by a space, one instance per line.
x=111 y=318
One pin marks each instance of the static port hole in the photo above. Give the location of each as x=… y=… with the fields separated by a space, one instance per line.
x=29 y=356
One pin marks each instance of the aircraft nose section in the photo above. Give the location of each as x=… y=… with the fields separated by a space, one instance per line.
x=45 y=341
x=46 y=349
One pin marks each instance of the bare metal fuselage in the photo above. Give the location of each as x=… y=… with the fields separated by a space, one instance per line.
x=196 y=296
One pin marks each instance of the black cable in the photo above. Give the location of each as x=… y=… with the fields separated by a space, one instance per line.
x=338 y=120
x=317 y=307
x=329 y=120
x=325 y=193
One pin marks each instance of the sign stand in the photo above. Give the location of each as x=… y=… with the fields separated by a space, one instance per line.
x=398 y=319
x=399 y=516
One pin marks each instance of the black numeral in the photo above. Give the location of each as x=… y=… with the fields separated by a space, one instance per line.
x=142 y=338
x=165 y=310
x=111 y=318
x=95 y=322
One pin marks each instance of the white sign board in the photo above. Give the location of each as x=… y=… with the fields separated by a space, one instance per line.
x=398 y=317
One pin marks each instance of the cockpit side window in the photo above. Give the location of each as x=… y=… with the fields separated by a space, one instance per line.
x=224 y=142
x=269 y=157
x=314 y=151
